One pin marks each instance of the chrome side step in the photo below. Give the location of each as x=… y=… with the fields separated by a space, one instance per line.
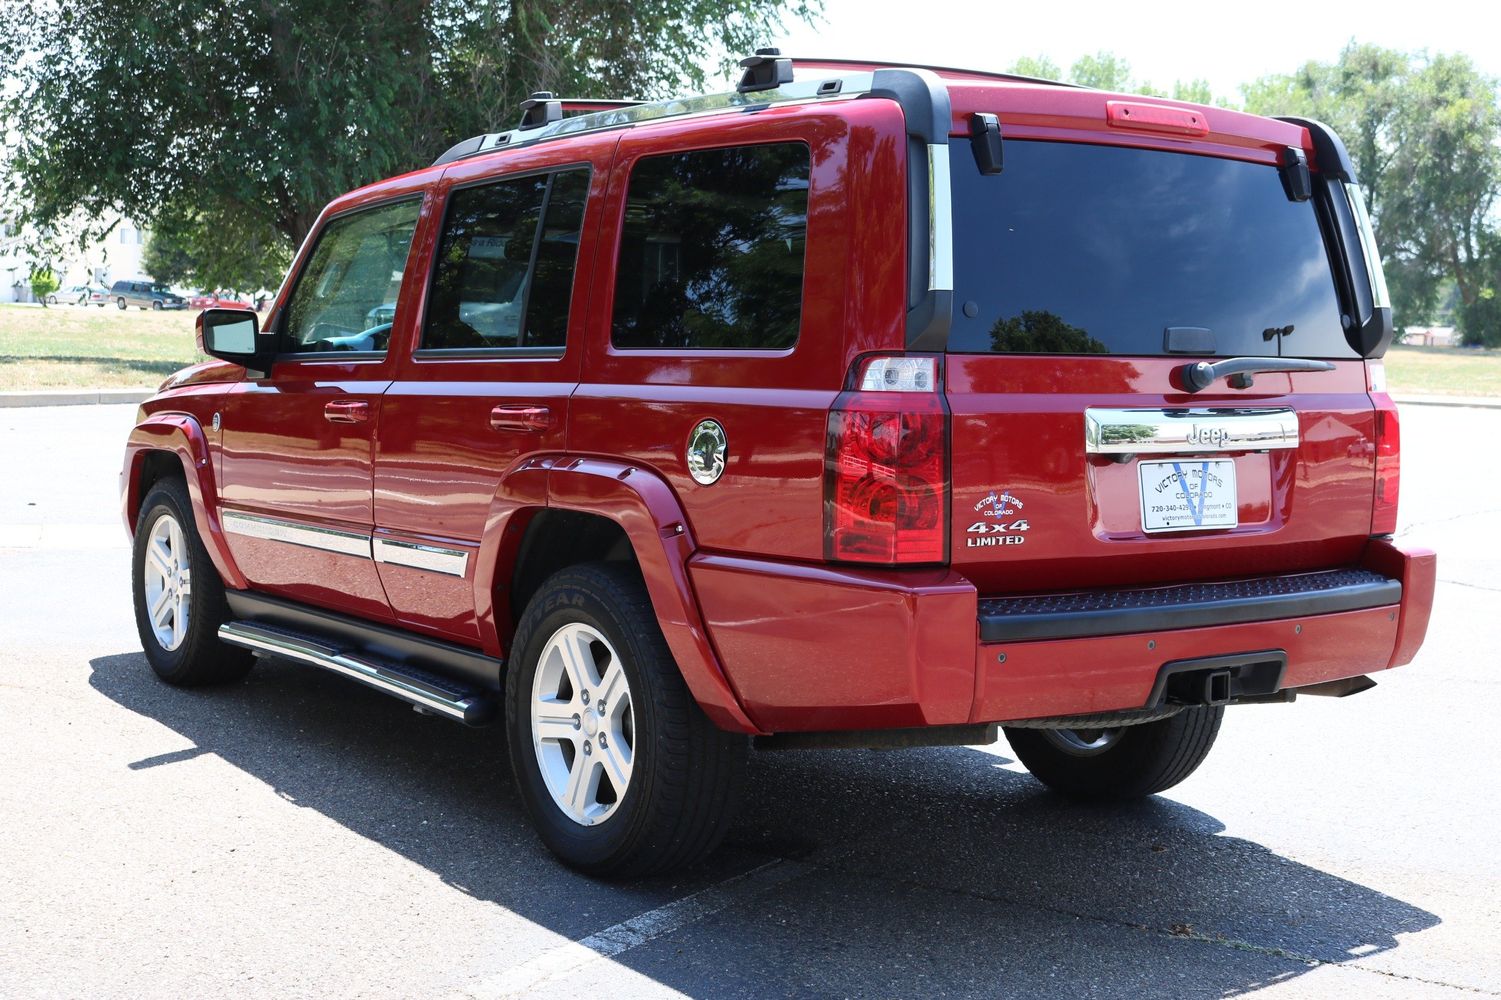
x=425 y=691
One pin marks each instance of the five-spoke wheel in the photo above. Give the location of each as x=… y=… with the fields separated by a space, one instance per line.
x=168 y=580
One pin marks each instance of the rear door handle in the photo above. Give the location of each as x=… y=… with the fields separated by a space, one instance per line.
x=346 y=411
x=520 y=417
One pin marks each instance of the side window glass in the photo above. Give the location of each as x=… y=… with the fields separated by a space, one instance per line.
x=712 y=251
x=501 y=280
x=345 y=299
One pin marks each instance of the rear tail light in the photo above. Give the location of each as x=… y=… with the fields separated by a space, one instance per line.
x=1388 y=453
x=886 y=465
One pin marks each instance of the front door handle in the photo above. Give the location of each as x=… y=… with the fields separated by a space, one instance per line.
x=520 y=417
x=346 y=411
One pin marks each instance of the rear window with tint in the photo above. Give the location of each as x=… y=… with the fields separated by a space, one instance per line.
x=712 y=253
x=1082 y=249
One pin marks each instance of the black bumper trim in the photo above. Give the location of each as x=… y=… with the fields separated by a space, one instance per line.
x=1159 y=609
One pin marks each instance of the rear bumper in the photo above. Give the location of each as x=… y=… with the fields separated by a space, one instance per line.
x=809 y=648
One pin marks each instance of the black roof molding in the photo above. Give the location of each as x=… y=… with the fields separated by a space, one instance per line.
x=768 y=69
x=540 y=109
x=1328 y=148
x=924 y=100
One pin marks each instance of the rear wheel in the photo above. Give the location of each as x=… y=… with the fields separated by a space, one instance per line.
x=1125 y=762
x=179 y=598
x=619 y=769
x=120 y=302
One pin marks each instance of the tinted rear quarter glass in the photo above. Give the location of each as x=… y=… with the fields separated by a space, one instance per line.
x=712 y=252
x=1089 y=249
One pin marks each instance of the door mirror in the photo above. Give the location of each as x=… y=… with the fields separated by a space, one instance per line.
x=230 y=335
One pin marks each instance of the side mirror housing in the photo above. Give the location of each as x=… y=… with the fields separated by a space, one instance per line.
x=232 y=335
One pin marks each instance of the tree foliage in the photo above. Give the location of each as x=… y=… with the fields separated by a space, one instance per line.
x=43 y=283
x=1423 y=132
x=245 y=117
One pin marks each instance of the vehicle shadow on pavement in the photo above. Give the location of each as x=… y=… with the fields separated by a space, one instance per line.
x=926 y=871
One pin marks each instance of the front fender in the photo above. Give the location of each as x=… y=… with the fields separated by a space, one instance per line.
x=181 y=435
x=643 y=504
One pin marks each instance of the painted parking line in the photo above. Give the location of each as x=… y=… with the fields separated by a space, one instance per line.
x=63 y=536
x=601 y=946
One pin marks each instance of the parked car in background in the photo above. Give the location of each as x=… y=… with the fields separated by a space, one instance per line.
x=216 y=300
x=98 y=296
x=73 y=295
x=145 y=295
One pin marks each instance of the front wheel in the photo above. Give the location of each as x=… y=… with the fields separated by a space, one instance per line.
x=619 y=769
x=1124 y=762
x=156 y=306
x=179 y=597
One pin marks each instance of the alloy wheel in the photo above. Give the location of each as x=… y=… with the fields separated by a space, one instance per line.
x=583 y=724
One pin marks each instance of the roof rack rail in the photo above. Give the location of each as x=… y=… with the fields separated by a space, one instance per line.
x=858 y=64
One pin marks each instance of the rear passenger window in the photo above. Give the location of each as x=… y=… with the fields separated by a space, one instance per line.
x=503 y=275
x=345 y=298
x=712 y=253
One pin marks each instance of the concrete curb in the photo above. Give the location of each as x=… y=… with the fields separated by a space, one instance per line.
x=74 y=397
x=1479 y=402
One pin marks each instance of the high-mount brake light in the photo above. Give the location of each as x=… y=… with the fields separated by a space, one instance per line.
x=1388 y=453
x=886 y=481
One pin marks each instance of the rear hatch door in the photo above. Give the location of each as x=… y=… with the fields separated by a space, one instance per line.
x=1087 y=275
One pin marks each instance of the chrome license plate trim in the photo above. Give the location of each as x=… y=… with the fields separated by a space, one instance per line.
x=1188 y=430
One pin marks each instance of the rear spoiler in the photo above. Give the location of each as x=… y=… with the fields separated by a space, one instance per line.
x=1368 y=324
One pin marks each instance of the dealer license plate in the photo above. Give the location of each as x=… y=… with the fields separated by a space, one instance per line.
x=1189 y=494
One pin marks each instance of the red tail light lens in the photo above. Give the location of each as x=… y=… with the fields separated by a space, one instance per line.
x=886 y=466
x=1388 y=454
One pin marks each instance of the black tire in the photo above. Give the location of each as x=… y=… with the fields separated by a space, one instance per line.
x=120 y=302
x=685 y=783
x=52 y=300
x=1135 y=762
x=156 y=306
x=200 y=658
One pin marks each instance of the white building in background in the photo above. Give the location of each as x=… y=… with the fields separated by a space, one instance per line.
x=101 y=262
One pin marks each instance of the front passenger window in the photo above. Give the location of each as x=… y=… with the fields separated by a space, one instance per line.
x=345 y=298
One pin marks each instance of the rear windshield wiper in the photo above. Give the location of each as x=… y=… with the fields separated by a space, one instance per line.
x=1201 y=375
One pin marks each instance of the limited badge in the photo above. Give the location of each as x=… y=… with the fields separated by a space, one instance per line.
x=1005 y=528
x=707 y=449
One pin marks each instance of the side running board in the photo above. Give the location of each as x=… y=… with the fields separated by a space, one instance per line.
x=419 y=688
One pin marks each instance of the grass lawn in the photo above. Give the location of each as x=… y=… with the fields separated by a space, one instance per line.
x=68 y=347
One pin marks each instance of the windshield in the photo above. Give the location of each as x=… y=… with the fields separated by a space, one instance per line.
x=1085 y=249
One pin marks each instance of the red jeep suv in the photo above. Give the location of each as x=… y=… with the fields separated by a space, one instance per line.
x=864 y=406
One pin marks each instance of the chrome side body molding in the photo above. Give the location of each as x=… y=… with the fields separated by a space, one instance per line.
x=1133 y=432
x=328 y=539
x=433 y=558
x=414 y=555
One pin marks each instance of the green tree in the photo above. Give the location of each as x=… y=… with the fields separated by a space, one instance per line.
x=188 y=248
x=256 y=114
x=1423 y=134
x=1039 y=67
x=1103 y=71
x=43 y=283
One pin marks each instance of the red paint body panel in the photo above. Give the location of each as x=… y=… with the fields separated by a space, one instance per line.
x=820 y=648
x=180 y=434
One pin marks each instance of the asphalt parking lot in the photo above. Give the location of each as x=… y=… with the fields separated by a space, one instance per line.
x=296 y=835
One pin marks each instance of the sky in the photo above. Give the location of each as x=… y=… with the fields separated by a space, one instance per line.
x=1226 y=44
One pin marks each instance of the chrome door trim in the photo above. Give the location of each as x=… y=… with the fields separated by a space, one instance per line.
x=346 y=543
x=940 y=218
x=433 y=558
x=1151 y=432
